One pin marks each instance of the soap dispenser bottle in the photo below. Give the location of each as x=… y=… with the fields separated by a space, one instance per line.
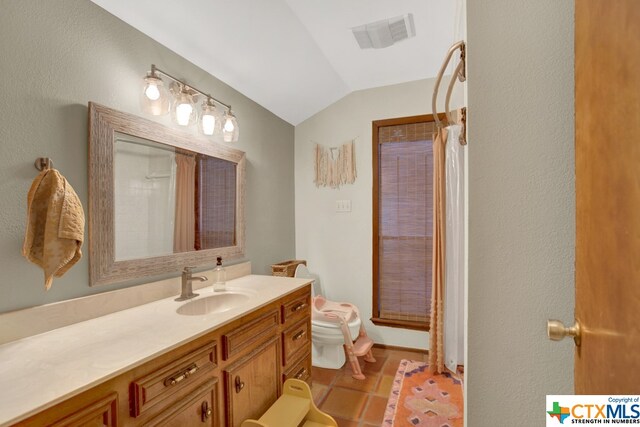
x=219 y=277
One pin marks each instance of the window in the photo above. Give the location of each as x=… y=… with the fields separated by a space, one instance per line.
x=402 y=221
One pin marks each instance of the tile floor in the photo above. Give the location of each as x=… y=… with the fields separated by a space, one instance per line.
x=359 y=403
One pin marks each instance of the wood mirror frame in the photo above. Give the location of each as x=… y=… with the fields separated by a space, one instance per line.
x=104 y=123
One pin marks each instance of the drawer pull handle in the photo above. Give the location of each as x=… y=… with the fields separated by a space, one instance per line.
x=181 y=376
x=301 y=373
x=206 y=411
x=239 y=384
x=299 y=306
x=299 y=335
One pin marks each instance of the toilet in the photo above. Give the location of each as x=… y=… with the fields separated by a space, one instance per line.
x=336 y=328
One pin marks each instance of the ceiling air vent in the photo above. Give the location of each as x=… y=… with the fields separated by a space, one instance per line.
x=380 y=34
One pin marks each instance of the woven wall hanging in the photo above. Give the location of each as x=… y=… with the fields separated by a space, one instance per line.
x=335 y=166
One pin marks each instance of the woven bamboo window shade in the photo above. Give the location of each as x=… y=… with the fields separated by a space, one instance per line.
x=215 y=203
x=404 y=190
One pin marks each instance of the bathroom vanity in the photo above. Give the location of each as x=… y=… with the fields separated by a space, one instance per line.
x=151 y=365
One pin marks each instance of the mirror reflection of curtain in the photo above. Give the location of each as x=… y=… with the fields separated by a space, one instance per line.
x=216 y=204
x=184 y=231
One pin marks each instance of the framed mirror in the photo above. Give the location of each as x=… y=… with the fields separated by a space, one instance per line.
x=160 y=199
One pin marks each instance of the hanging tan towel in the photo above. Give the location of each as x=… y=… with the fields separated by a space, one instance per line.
x=55 y=225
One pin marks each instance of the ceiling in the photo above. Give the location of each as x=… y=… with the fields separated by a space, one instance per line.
x=294 y=57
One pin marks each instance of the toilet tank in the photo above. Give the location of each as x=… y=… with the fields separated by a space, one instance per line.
x=303 y=272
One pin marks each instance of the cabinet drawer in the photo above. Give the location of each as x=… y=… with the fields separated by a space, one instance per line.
x=294 y=339
x=103 y=412
x=300 y=370
x=199 y=408
x=255 y=331
x=173 y=380
x=297 y=309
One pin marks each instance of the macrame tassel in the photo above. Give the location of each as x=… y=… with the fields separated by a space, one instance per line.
x=349 y=163
x=319 y=168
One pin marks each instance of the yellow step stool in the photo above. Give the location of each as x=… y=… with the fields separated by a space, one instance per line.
x=294 y=408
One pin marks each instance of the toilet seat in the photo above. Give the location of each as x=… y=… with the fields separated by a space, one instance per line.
x=333 y=325
x=336 y=312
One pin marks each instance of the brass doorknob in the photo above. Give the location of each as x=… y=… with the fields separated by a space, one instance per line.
x=557 y=331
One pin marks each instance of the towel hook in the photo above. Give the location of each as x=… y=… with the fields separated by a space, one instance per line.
x=42 y=163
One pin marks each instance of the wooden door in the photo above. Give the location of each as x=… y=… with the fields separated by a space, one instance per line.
x=252 y=383
x=607 y=76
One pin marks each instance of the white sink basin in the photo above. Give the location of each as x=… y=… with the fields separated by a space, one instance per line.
x=216 y=303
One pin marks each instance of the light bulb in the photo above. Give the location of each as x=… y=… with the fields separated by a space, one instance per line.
x=230 y=128
x=228 y=125
x=210 y=118
x=152 y=92
x=183 y=113
x=154 y=98
x=208 y=124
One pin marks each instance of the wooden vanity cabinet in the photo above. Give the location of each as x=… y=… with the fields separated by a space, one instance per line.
x=257 y=352
x=220 y=379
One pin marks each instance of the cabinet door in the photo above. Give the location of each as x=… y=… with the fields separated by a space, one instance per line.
x=197 y=409
x=251 y=384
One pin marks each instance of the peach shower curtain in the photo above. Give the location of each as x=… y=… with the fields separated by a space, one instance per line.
x=184 y=235
x=436 y=353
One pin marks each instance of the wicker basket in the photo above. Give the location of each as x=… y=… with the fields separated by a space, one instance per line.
x=286 y=268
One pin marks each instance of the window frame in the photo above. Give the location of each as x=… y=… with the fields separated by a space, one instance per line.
x=376 y=125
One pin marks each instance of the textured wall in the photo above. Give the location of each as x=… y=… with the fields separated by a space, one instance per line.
x=57 y=56
x=521 y=207
x=338 y=246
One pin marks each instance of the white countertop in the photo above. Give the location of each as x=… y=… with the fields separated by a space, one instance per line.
x=40 y=371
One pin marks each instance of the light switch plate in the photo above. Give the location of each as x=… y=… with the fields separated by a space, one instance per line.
x=343 y=205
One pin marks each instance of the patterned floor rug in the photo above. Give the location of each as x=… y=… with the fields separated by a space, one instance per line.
x=420 y=398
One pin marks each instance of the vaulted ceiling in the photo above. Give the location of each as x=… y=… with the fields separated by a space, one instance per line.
x=294 y=57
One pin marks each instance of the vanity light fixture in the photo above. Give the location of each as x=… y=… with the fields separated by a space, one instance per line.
x=182 y=100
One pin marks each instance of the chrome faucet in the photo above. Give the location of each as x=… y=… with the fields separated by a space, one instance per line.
x=187 y=289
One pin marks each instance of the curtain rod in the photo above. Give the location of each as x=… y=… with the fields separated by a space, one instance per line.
x=460 y=74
